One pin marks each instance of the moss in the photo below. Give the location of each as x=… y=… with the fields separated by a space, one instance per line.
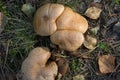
x=103 y=46
x=75 y=65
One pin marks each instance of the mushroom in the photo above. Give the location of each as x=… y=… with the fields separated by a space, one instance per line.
x=70 y=20
x=67 y=39
x=71 y=26
x=64 y=26
x=35 y=66
x=45 y=19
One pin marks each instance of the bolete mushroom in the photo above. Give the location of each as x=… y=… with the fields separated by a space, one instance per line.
x=64 y=26
x=35 y=66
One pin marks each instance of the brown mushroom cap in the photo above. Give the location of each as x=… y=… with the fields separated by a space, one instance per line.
x=70 y=20
x=45 y=17
x=35 y=68
x=67 y=39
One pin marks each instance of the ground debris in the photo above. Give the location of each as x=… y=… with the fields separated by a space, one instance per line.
x=111 y=21
x=93 y=11
x=90 y=42
x=28 y=9
x=63 y=66
x=116 y=27
x=106 y=63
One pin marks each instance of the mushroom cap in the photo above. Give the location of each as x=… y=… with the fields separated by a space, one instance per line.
x=45 y=19
x=70 y=20
x=67 y=39
x=50 y=71
x=34 y=66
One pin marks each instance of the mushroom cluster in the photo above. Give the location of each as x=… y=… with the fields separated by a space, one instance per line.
x=64 y=26
x=36 y=66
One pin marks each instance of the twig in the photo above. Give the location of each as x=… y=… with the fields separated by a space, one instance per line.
x=7 y=49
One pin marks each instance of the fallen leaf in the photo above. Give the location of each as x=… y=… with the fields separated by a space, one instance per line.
x=90 y=42
x=63 y=66
x=106 y=63
x=93 y=11
x=79 y=77
x=28 y=9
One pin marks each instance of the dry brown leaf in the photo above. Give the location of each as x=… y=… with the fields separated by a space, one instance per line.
x=63 y=66
x=90 y=42
x=106 y=63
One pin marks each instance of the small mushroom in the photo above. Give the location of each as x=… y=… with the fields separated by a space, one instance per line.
x=67 y=39
x=90 y=42
x=35 y=66
x=45 y=19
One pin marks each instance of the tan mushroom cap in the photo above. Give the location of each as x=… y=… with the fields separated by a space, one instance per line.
x=67 y=39
x=70 y=20
x=45 y=18
x=34 y=66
